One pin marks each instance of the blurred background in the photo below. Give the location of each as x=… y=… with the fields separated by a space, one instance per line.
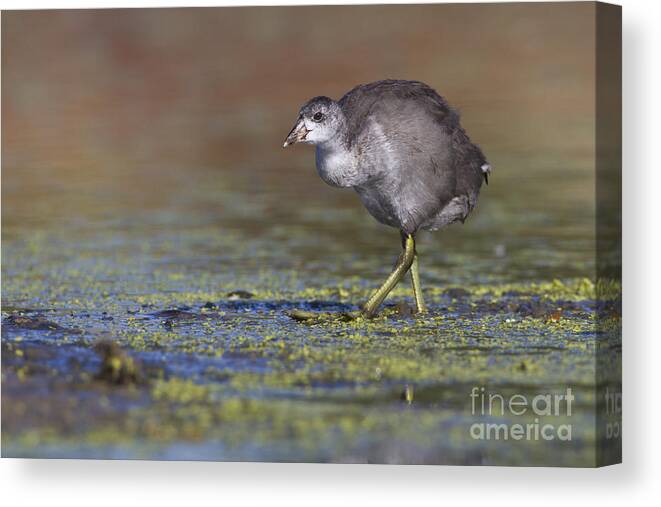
x=127 y=111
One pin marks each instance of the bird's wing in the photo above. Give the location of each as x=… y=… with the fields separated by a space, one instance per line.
x=363 y=101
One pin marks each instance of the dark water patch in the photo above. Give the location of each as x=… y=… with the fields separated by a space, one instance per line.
x=177 y=315
x=239 y=294
x=170 y=318
x=34 y=323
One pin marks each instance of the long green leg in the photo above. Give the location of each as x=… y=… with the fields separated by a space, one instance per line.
x=403 y=264
x=417 y=288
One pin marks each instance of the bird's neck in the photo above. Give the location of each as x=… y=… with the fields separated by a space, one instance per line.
x=336 y=163
x=336 y=145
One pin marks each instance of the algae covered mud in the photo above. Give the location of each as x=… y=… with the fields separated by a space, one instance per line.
x=144 y=333
x=156 y=239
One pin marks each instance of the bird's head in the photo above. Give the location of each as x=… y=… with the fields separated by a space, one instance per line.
x=320 y=121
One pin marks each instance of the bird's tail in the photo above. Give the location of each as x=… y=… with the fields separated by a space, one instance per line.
x=486 y=171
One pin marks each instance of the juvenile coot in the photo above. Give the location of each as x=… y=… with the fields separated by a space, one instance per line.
x=401 y=147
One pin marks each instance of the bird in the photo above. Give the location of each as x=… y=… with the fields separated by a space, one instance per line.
x=401 y=147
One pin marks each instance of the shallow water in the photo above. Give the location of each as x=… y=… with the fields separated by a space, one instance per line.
x=199 y=299
x=187 y=246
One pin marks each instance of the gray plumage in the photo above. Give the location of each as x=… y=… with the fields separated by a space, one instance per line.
x=401 y=147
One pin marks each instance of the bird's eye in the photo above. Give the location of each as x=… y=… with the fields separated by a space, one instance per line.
x=318 y=117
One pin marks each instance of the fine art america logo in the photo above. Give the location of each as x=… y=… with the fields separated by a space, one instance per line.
x=541 y=411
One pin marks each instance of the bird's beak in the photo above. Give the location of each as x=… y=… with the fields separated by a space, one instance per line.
x=297 y=134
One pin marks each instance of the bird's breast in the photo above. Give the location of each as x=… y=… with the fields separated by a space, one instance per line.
x=337 y=167
x=379 y=204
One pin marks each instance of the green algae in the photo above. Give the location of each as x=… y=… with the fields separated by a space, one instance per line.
x=326 y=386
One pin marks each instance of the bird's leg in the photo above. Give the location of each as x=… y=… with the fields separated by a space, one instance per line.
x=403 y=264
x=415 y=281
